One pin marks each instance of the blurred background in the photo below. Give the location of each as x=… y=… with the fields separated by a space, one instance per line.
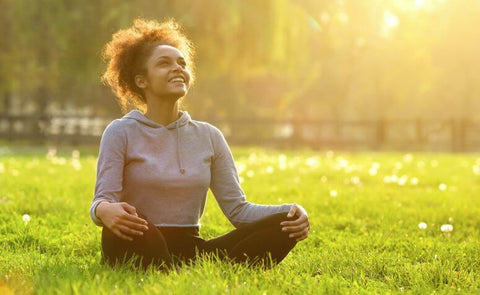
x=370 y=74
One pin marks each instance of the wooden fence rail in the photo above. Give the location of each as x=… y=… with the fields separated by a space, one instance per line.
x=457 y=135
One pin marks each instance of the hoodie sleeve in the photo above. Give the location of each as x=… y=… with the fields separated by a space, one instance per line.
x=110 y=165
x=225 y=186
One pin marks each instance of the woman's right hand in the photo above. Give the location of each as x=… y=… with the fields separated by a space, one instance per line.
x=122 y=219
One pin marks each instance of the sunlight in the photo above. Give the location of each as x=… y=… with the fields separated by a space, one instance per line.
x=390 y=19
x=419 y=3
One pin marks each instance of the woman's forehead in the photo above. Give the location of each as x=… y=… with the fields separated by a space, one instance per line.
x=165 y=51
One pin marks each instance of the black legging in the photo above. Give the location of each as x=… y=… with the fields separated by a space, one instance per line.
x=262 y=242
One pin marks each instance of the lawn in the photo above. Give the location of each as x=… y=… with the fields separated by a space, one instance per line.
x=376 y=226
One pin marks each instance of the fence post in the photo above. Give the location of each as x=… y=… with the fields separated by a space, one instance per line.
x=458 y=133
x=419 y=131
x=380 y=133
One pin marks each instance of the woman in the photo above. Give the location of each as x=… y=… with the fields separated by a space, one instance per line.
x=156 y=165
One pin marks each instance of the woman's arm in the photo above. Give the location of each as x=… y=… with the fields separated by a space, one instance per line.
x=107 y=210
x=225 y=186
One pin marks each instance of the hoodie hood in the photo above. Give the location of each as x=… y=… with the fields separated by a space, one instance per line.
x=177 y=124
x=138 y=116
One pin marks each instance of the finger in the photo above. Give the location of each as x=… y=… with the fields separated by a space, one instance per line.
x=134 y=225
x=302 y=238
x=297 y=228
x=129 y=208
x=295 y=222
x=129 y=231
x=292 y=211
x=298 y=234
x=134 y=218
x=119 y=234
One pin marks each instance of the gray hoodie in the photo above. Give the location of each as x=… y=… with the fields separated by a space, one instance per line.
x=166 y=171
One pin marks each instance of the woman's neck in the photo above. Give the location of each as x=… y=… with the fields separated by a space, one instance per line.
x=163 y=112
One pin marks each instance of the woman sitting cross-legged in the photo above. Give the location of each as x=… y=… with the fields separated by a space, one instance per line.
x=156 y=164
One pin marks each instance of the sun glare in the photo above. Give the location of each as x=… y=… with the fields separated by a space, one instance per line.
x=419 y=3
x=390 y=19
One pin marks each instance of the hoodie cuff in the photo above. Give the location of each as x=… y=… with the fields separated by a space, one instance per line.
x=93 y=214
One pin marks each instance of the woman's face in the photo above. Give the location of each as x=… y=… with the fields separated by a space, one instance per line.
x=167 y=74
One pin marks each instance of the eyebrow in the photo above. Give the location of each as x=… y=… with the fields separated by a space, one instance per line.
x=168 y=57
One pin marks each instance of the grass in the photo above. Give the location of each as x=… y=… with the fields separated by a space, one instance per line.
x=364 y=238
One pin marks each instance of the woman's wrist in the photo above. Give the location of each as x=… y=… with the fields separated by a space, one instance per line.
x=99 y=209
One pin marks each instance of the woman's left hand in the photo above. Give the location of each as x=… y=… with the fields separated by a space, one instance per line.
x=299 y=227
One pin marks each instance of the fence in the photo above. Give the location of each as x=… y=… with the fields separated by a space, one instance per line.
x=429 y=135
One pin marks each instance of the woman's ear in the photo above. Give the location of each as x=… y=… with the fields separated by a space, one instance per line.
x=140 y=81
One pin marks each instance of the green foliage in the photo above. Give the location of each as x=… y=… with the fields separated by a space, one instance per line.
x=365 y=238
x=342 y=59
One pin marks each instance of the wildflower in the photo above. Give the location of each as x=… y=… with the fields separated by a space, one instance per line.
x=333 y=193
x=407 y=158
x=442 y=186
x=312 y=162
x=250 y=173
x=269 y=169
x=414 y=181
x=282 y=159
x=52 y=152
x=355 y=180
x=476 y=169
x=402 y=180
x=26 y=218
x=75 y=154
x=240 y=179
x=2 y=168
x=76 y=164
x=422 y=225
x=446 y=228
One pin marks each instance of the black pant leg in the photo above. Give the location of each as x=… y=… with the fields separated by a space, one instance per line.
x=254 y=242
x=151 y=248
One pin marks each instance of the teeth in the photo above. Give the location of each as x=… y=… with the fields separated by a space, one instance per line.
x=177 y=80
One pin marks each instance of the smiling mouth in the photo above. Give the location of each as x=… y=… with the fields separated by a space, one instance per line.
x=177 y=79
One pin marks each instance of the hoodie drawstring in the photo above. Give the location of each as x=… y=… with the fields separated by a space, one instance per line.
x=179 y=154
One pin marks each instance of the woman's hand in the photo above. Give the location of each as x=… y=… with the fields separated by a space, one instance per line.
x=299 y=227
x=121 y=219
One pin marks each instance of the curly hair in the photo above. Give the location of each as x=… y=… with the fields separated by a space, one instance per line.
x=127 y=52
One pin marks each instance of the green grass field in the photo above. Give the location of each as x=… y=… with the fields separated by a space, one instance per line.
x=365 y=210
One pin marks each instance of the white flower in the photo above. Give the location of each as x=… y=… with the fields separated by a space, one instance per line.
x=422 y=225
x=414 y=181
x=446 y=228
x=442 y=186
x=476 y=169
x=269 y=169
x=407 y=158
x=75 y=154
x=402 y=180
x=250 y=173
x=312 y=162
x=333 y=193
x=26 y=218
x=355 y=180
